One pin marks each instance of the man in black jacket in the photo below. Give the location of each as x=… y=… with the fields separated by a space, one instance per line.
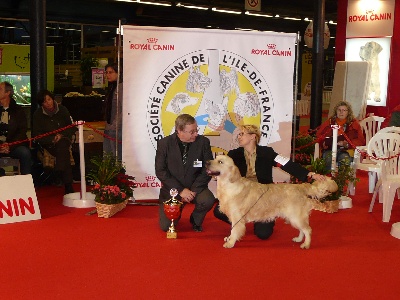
x=13 y=128
x=185 y=170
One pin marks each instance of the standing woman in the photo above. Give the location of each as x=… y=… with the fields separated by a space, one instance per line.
x=49 y=117
x=348 y=125
x=113 y=112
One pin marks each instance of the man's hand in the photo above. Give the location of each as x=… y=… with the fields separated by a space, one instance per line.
x=4 y=148
x=187 y=195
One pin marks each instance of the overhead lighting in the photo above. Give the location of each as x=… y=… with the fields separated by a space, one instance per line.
x=290 y=18
x=245 y=29
x=186 y=5
x=258 y=14
x=333 y=23
x=228 y=11
x=277 y=16
x=160 y=3
x=307 y=19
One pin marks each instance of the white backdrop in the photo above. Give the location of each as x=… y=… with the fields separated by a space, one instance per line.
x=222 y=78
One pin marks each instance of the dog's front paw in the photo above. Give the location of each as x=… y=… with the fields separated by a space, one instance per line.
x=305 y=246
x=297 y=239
x=229 y=244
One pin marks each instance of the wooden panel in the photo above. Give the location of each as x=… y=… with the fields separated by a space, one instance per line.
x=73 y=70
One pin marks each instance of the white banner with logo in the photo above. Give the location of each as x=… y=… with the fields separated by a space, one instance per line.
x=18 y=202
x=222 y=78
x=370 y=18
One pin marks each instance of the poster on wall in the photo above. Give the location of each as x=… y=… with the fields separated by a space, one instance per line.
x=376 y=51
x=222 y=78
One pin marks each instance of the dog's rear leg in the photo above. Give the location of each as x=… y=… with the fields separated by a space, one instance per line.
x=237 y=231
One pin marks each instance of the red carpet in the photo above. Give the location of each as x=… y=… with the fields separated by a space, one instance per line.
x=68 y=255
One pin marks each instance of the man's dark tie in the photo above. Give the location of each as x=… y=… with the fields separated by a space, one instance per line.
x=185 y=153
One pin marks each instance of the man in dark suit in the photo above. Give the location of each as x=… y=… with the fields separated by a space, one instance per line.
x=180 y=164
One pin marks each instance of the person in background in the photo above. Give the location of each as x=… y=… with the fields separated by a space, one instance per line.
x=13 y=128
x=256 y=162
x=49 y=117
x=348 y=125
x=180 y=163
x=393 y=119
x=113 y=112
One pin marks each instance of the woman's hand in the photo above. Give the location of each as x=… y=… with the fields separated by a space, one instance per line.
x=57 y=138
x=316 y=176
x=4 y=148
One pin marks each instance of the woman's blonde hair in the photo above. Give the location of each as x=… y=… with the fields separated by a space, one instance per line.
x=252 y=129
x=350 y=114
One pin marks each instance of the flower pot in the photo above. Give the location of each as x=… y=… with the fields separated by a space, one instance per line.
x=327 y=206
x=108 y=210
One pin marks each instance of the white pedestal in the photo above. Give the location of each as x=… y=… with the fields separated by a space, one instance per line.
x=345 y=202
x=74 y=200
x=395 y=232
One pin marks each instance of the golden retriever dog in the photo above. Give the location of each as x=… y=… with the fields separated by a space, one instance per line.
x=243 y=200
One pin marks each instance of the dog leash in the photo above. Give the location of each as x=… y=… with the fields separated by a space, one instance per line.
x=250 y=208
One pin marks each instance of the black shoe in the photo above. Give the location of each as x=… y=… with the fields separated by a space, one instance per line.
x=195 y=227
x=2 y=172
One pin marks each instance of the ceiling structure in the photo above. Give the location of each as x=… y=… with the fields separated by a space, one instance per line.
x=68 y=19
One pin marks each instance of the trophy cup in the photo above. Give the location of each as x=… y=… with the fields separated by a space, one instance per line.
x=172 y=209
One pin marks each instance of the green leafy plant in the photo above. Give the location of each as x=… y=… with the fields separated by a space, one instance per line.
x=87 y=63
x=112 y=184
x=318 y=165
x=344 y=175
x=304 y=148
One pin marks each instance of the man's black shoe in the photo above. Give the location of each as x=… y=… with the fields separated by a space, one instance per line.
x=197 y=228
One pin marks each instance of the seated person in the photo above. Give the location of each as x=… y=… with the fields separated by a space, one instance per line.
x=50 y=117
x=349 y=126
x=393 y=119
x=256 y=163
x=13 y=128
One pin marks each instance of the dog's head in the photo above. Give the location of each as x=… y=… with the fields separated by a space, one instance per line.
x=322 y=188
x=223 y=167
x=370 y=51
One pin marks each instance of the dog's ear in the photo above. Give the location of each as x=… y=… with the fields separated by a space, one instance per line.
x=320 y=189
x=234 y=174
x=377 y=48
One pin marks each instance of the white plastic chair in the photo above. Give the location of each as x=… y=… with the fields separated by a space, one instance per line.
x=390 y=182
x=370 y=126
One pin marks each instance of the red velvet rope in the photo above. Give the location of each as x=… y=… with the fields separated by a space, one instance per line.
x=38 y=137
x=317 y=140
x=362 y=153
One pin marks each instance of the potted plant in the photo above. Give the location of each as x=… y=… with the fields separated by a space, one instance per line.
x=344 y=175
x=113 y=187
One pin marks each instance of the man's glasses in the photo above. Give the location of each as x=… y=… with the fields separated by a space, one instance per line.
x=192 y=131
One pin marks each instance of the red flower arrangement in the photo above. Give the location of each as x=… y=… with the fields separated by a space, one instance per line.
x=112 y=184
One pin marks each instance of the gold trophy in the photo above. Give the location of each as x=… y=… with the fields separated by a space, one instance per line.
x=172 y=209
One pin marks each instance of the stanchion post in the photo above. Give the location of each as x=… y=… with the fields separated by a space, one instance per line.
x=82 y=159
x=334 y=148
